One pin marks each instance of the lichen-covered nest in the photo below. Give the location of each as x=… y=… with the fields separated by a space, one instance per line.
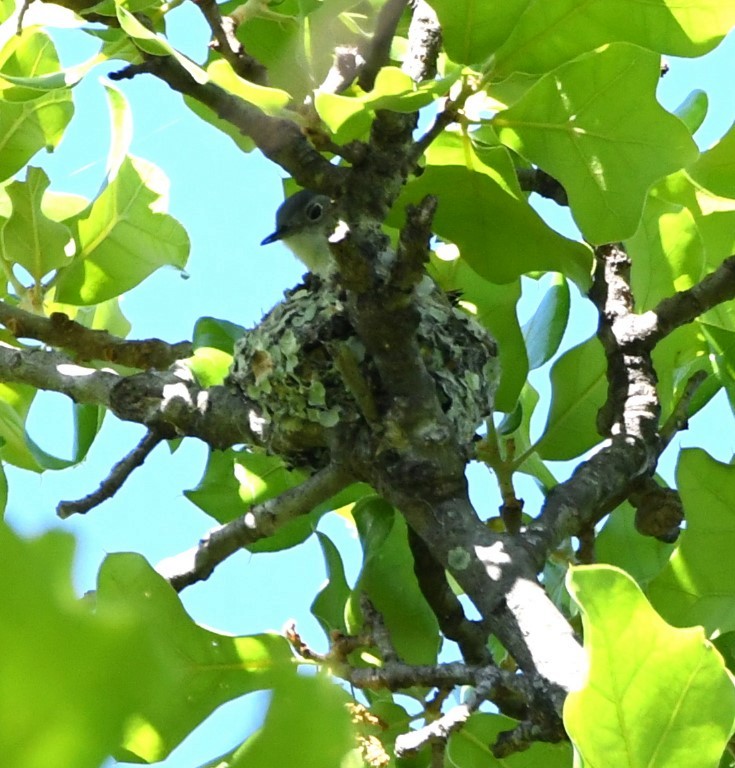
x=288 y=367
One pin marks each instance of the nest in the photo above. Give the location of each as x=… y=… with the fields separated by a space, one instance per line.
x=288 y=367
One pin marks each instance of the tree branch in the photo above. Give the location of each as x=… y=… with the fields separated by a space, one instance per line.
x=228 y=46
x=424 y=42
x=377 y=51
x=630 y=415
x=114 y=481
x=59 y=331
x=685 y=306
x=261 y=521
x=169 y=400
x=280 y=140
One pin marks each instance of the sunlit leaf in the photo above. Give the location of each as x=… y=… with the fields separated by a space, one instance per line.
x=666 y=251
x=154 y=44
x=693 y=110
x=29 y=126
x=471 y=31
x=698 y=584
x=482 y=210
x=124 y=236
x=57 y=707
x=551 y=32
x=200 y=669
x=655 y=695
x=301 y=708
x=715 y=169
x=29 y=237
x=580 y=121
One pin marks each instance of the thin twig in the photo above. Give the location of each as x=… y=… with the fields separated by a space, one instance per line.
x=228 y=46
x=114 y=481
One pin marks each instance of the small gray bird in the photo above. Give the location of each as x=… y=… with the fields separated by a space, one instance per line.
x=304 y=223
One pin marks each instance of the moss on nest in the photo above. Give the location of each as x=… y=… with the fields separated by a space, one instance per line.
x=286 y=366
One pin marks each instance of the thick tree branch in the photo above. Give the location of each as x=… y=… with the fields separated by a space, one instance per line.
x=260 y=521
x=59 y=331
x=630 y=415
x=169 y=400
x=57 y=373
x=470 y=636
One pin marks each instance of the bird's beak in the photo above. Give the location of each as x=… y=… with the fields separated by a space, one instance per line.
x=279 y=234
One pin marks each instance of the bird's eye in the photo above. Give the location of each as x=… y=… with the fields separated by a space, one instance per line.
x=314 y=211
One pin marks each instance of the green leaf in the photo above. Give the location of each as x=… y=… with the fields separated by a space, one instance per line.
x=483 y=211
x=551 y=32
x=121 y=129
x=234 y=481
x=620 y=544
x=544 y=331
x=29 y=119
x=29 y=237
x=3 y=491
x=713 y=215
x=715 y=169
x=57 y=707
x=469 y=746
x=29 y=54
x=15 y=402
x=676 y=359
x=312 y=712
x=574 y=124
x=698 y=584
x=530 y=462
x=151 y=43
x=349 y=117
x=271 y=100
x=493 y=306
x=655 y=695
x=6 y=9
x=218 y=334
x=209 y=365
x=200 y=669
x=471 y=31
x=124 y=236
x=29 y=126
x=722 y=357
x=329 y=605
x=27 y=87
x=387 y=561
x=666 y=251
x=693 y=110
x=578 y=390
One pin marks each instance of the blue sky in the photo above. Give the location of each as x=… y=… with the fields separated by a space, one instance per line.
x=226 y=201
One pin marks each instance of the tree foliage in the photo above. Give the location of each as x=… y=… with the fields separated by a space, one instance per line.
x=604 y=622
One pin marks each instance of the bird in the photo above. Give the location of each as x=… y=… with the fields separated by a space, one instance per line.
x=304 y=223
